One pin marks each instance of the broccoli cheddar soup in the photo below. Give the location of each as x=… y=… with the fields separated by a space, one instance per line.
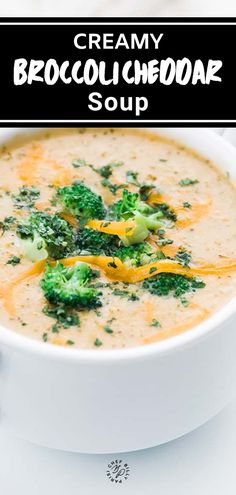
x=112 y=238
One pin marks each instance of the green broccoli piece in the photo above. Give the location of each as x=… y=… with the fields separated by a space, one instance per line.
x=127 y=206
x=69 y=286
x=147 y=218
x=34 y=249
x=136 y=255
x=165 y=284
x=45 y=235
x=80 y=201
x=95 y=242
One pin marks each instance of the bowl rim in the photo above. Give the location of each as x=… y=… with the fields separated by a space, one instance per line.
x=11 y=339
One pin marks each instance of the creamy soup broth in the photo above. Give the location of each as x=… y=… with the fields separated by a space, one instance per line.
x=207 y=232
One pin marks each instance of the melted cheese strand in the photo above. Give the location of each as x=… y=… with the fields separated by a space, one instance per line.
x=115 y=228
x=116 y=270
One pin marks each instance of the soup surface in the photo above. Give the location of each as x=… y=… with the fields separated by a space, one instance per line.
x=145 y=229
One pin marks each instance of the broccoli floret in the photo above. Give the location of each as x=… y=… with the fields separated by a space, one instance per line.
x=95 y=242
x=146 y=218
x=35 y=249
x=69 y=286
x=45 y=235
x=139 y=254
x=80 y=201
x=128 y=205
x=164 y=284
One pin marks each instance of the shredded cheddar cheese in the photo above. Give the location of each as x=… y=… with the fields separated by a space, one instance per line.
x=177 y=329
x=27 y=169
x=116 y=270
x=115 y=228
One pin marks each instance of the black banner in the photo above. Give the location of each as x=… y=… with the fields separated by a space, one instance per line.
x=117 y=71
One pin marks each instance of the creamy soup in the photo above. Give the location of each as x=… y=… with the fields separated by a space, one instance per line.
x=145 y=230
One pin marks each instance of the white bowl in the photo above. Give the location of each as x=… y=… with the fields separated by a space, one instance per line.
x=120 y=400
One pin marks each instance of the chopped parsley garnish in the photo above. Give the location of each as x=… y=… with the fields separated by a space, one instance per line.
x=14 y=260
x=165 y=284
x=133 y=297
x=155 y=323
x=183 y=257
x=95 y=242
x=55 y=328
x=113 y=188
x=23 y=323
x=7 y=224
x=186 y=204
x=108 y=329
x=112 y=264
x=167 y=211
x=184 y=302
x=106 y=170
x=132 y=177
x=79 y=163
x=26 y=197
x=164 y=242
x=153 y=269
x=65 y=317
x=97 y=342
x=45 y=337
x=188 y=182
x=111 y=320
x=70 y=342
x=161 y=233
x=145 y=190
x=125 y=293
x=97 y=312
x=120 y=292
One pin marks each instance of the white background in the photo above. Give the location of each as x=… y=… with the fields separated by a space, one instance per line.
x=201 y=463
